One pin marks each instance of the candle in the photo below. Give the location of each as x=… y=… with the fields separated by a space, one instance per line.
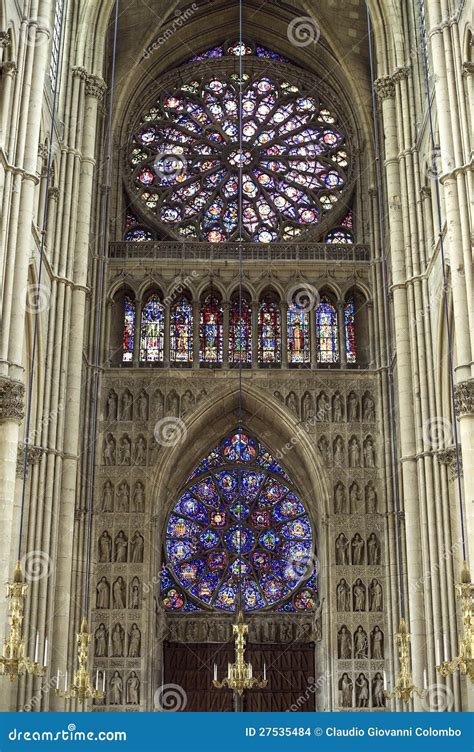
x=264 y=671
x=45 y=654
x=97 y=679
x=425 y=679
x=215 y=672
x=65 y=681
x=57 y=680
x=384 y=680
x=36 y=647
x=103 y=681
x=446 y=651
x=438 y=652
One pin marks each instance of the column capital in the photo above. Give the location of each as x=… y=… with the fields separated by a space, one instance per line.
x=468 y=68
x=401 y=73
x=464 y=397
x=5 y=40
x=34 y=455
x=95 y=87
x=448 y=457
x=79 y=72
x=11 y=400
x=8 y=68
x=53 y=193
x=385 y=87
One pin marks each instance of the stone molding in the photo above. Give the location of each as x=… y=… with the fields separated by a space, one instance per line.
x=11 y=400
x=464 y=397
x=448 y=457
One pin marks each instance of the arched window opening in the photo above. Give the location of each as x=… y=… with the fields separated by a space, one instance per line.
x=239 y=534
x=349 y=327
x=298 y=335
x=327 y=332
x=269 y=331
x=152 y=331
x=211 y=331
x=240 y=330
x=181 y=331
x=128 y=329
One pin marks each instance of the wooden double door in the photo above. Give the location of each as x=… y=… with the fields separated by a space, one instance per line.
x=290 y=672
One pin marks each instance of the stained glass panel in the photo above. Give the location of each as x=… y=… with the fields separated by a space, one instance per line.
x=339 y=237
x=349 y=324
x=128 y=329
x=152 y=331
x=238 y=535
x=269 y=332
x=240 y=331
x=298 y=335
x=327 y=334
x=181 y=331
x=211 y=330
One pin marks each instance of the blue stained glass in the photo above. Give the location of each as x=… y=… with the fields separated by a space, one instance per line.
x=349 y=326
x=128 y=329
x=240 y=329
x=152 y=330
x=181 y=331
x=166 y=581
x=269 y=334
x=238 y=537
x=298 y=335
x=211 y=331
x=327 y=333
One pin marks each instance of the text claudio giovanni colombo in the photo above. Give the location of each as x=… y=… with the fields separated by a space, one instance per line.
x=354 y=731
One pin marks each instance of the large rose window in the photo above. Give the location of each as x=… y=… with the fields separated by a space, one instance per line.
x=224 y=157
x=239 y=535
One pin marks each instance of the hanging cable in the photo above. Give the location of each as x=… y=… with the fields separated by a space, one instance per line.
x=100 y=284
x=239 y=240
x=439 y=218
x=388 y=329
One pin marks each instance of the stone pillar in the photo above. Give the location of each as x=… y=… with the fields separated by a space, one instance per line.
x=464 y=400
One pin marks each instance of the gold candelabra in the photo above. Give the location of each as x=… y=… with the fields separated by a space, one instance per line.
x=13 y=662
x=240 y=674
x=404 y=689
x=82 y=688
x=464 y=662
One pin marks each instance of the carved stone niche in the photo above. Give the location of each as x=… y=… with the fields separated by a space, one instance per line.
x=11 y=400
x=275 y=628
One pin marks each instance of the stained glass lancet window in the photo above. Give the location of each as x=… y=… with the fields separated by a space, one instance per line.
x=128 y=329
x=298 y=335
x=327 y=332
x=240 y=330
x=239 y=534
x=211 y=330
x=349 y=325
x=181 y=331
x=269 y=331
x=152 y=331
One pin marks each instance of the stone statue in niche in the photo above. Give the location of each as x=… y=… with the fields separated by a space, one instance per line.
x=100 y=682
x=375 y=596
x=354 y=453
x=362 y=691
x=116 y=689
x=279 y=396
x=105 y=548
x=121 y=547
x=357 y=548
x=140 y=451
x=337 y=408
x=345 y=689
x=111 y=411
x=360 y=643
x=202 y=394
x=123 y=497
x=136 y=548
x=187 y=402
x=373 y=549
x=358 y=592
x=378 y=693
x=352 y=408
x=126 y=406
x=159 y=401
x=338 y=449
x=323 y=446
x=307 y=406
x=134 y=641
x=118 y=637
x=376 y=643
x=343 y=596
x=354 y=498
x=142 y=406
x=370 y=499
x=369 y=452
x=138 y=498
x=102 y=593
x=107 y=497
x=368 y=409
x=172 y=403
x=344 y=643
x=133 y=689
x=340 y=503
x=109 y=450
x=154 y=449
x=292 y=403
x=323 y=407
x=125 y=452
x=119 y=593
x=101 y=641
x=135 y=600
x=342 y=549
